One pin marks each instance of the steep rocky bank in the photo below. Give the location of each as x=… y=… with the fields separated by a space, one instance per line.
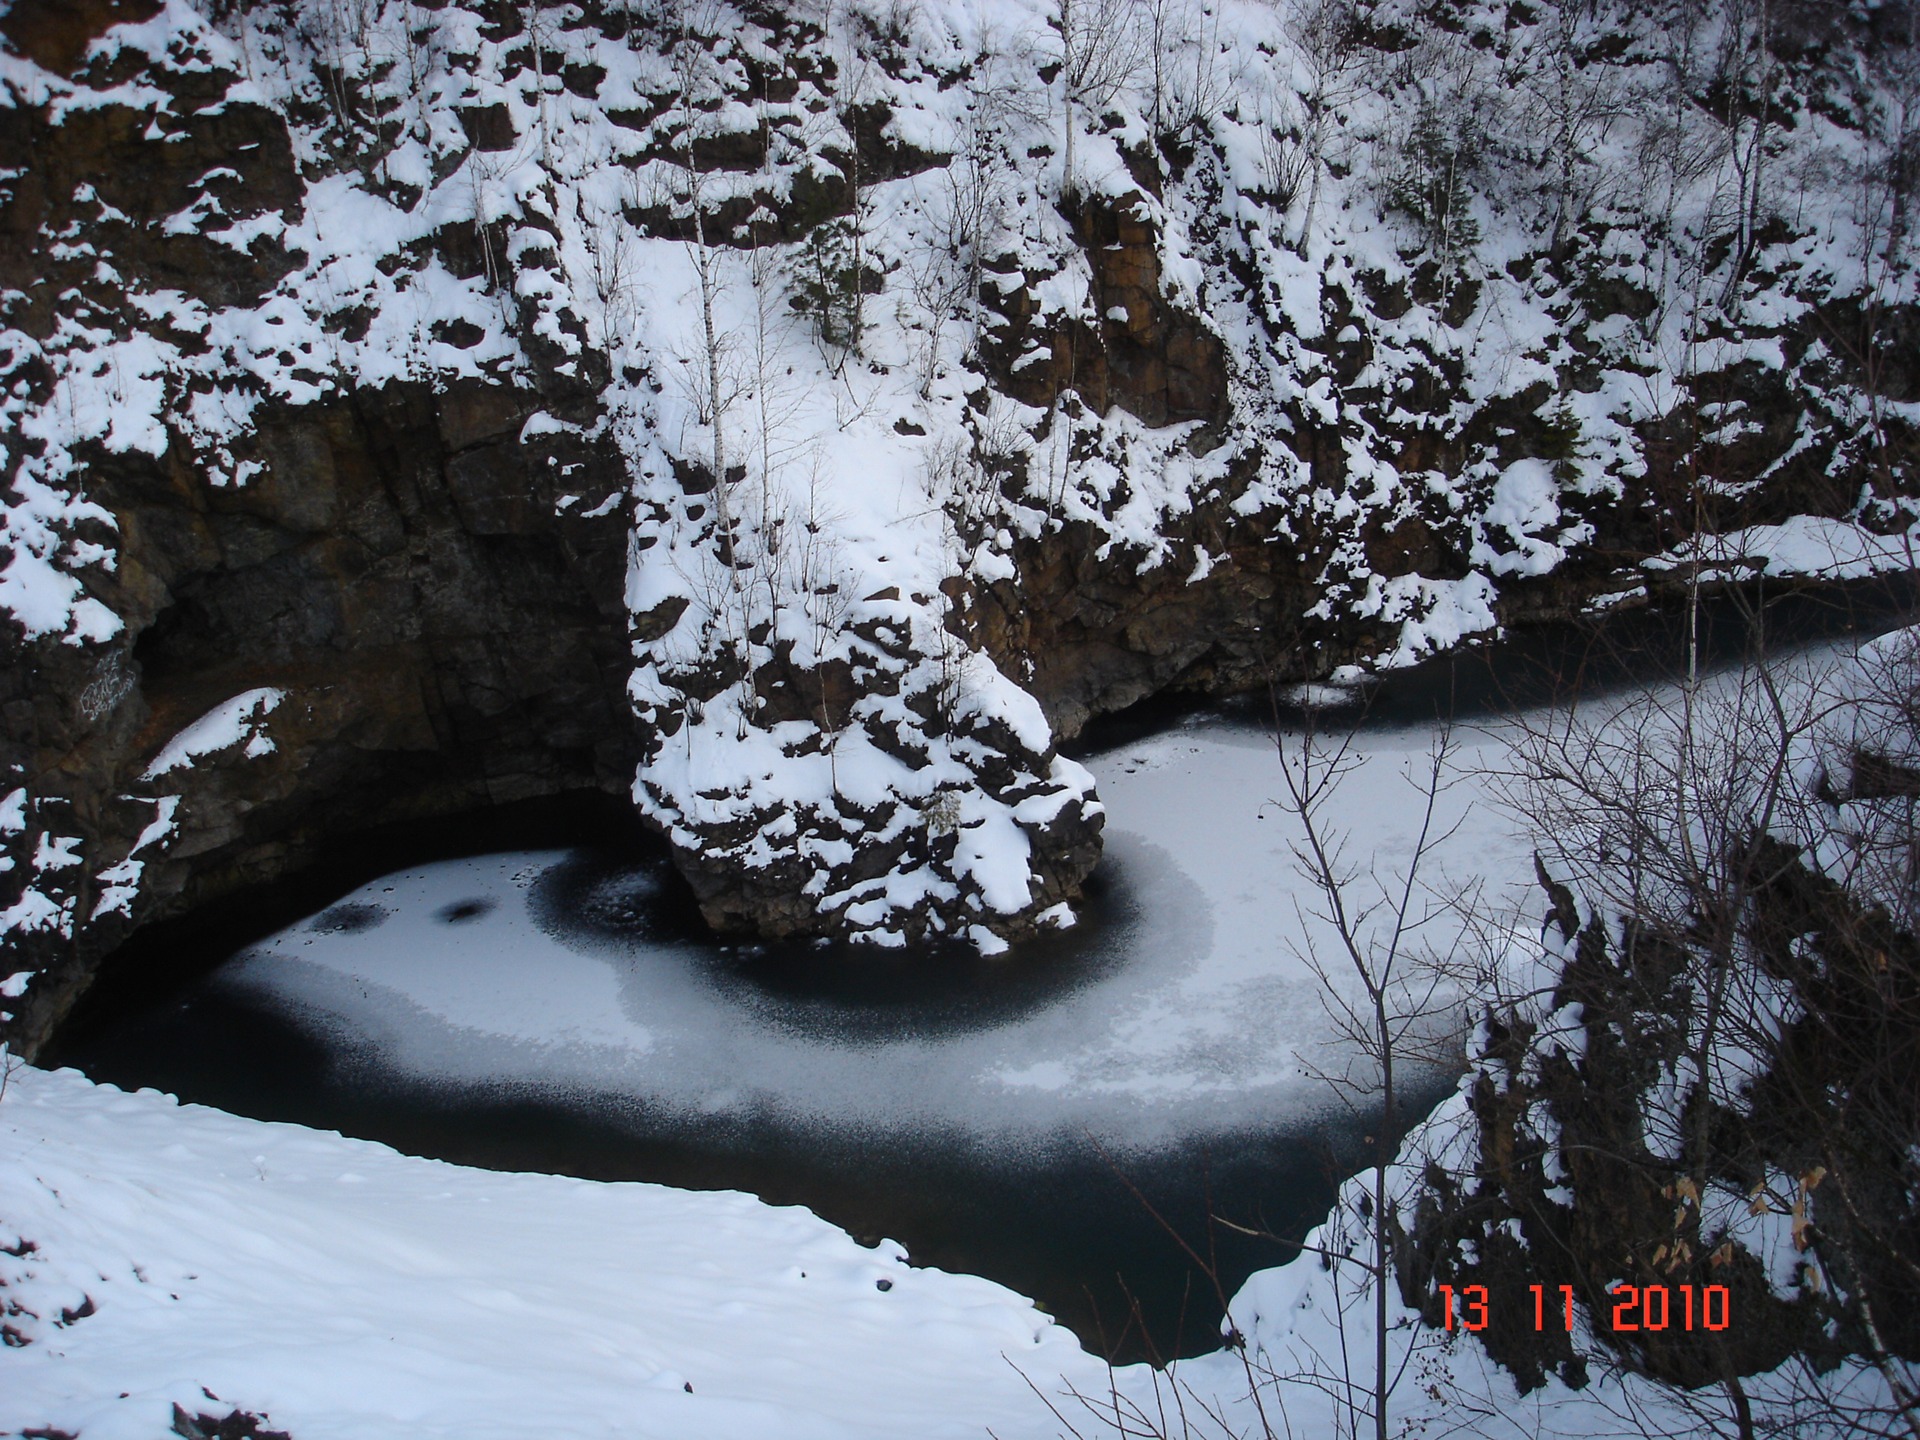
x=412 y=409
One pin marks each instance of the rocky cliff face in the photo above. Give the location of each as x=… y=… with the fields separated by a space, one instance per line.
x=433 y=638
x=408 y=408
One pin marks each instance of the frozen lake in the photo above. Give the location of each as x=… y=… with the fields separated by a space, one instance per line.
x=562 y=1009
x=1180 y=1012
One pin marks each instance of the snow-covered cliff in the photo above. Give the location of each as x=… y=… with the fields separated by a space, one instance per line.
x=802 y=416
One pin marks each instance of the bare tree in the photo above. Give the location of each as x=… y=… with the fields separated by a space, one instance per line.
x=1101 y=49
x=715 y=383
x=969 y=208
x=1405 y=947
x=611 y=271
x=534 y=20
x=1568 y=106
x=826 y=599
x=1884 y=178
x=1387 y=990
x=1187 y=75
x=1744 y=844
x=691 y=62
x=1747 y=75
x=1322 y=31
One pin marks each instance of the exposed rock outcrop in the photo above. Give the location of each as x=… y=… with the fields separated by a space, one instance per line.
x=444 y=638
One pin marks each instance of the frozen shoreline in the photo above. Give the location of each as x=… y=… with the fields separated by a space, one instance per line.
x=342 y=1288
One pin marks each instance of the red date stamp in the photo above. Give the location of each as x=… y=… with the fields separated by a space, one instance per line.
x=1635 y=1307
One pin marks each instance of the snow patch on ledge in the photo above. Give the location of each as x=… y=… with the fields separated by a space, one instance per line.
x=1814 y=546
x=231 y=722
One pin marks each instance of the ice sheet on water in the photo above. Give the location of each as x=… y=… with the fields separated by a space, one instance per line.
x=1185 y=1006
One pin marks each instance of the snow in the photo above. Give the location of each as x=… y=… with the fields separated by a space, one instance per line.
x=33 y=911
x=1186 y=1023
x=1808 y=545
x=1309 y=1328
x=120 y=883
x=344 y=1290
x=1281 y=282
x=341 y=1289
x=231 y=722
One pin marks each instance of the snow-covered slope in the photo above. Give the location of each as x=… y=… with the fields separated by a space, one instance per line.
x=343 y=1290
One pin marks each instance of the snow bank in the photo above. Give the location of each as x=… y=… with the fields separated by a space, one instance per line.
x=345 y=1290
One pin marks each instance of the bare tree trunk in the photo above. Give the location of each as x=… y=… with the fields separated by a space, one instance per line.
x=1374 y=934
